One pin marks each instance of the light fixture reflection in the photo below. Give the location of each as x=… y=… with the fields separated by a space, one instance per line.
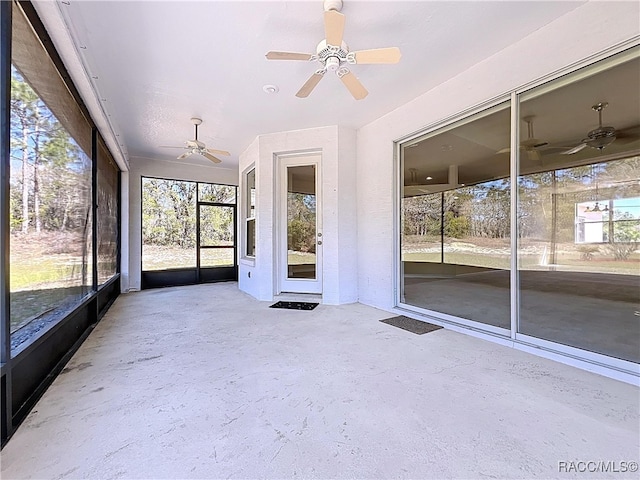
x=596 y=208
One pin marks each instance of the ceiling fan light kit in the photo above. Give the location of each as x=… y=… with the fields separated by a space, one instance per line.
x=598 y=138
x=333 y=55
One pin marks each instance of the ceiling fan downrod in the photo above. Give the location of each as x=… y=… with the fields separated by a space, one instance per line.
x=196 y=122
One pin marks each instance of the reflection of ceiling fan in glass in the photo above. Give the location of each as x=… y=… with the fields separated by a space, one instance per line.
x=532 y=146
x=602 y=137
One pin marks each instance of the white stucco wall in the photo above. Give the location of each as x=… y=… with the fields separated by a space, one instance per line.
x=251 y=274
x=144 y=167
x=586 y=31
x=338 y=167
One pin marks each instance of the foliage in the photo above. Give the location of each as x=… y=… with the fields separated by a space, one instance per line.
x=50 y=174
x=587 y=252
x=301 y=222
x=626 y=235
x=169 y=214
x=455 y=226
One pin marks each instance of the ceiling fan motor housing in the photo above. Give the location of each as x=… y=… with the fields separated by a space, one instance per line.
x=600 y=137
x=332 y=5
x=331 y=56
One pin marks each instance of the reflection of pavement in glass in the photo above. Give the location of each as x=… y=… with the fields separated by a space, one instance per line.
x=33 y=310
x=590 y=311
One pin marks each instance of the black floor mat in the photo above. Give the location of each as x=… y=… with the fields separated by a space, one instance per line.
x=411 y=325
x=295 y=305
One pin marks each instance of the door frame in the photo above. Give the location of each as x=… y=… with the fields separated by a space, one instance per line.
x=283 y=283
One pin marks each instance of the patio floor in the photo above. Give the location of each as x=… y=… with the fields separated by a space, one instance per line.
x=206 y=382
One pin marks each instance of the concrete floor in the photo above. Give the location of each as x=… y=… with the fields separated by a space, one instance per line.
x=206 y=382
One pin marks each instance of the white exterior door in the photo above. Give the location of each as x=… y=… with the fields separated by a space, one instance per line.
x=299 y=242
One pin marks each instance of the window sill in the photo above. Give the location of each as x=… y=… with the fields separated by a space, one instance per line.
x=249 y=261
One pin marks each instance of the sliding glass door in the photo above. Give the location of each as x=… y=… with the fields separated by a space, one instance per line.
x=577 y=206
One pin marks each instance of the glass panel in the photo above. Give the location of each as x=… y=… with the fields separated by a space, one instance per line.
x=30 y=58
x=301 y=222
x=251 y=194
x=208 y=192
x=107 y=221
x=50 y=215
x=455 y=237
x=578 y=210
x=168 y=224
x=250 y=214
x=216 y=257
x=251 y=237
x=216 y=226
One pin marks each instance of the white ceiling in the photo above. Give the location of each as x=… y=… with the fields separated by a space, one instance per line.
x=157 y=64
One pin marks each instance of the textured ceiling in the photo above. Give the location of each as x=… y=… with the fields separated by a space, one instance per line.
x=154 y=65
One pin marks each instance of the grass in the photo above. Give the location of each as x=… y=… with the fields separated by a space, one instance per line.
x=162 y=258
x=27 y=273
x=530 y=262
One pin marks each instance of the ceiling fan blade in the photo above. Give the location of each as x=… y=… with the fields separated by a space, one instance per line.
x=628 y=135
x=333 y=27
x=624 y=139
x=169 y=146
x=575 y=149
x=218 y=152
x=310 y=84
x=288 y=56
x=633 y=131
x=208 y=156
x=504 y=150
x=378 y=55
x=184 y=155
x=553 y=150
x=354 y=86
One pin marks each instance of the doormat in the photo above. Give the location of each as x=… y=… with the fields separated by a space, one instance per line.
x=411 y=325
x=294 y=305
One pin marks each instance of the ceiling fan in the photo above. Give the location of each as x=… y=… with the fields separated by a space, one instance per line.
x=602 y=137
x=195 y=146
x=333 y=55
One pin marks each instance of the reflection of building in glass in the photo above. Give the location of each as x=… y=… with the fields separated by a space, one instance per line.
x=589 y=225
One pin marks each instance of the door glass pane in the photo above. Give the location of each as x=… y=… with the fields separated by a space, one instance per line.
x=216 y=226
x=578 y=214
x=455 y=215
x=301 y=222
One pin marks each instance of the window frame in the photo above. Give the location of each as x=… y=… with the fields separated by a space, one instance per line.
x=249 y=208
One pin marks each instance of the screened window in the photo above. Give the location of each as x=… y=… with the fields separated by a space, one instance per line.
x=168 y=224
x=187 y=225
x=50 y=191
x=107 y=221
